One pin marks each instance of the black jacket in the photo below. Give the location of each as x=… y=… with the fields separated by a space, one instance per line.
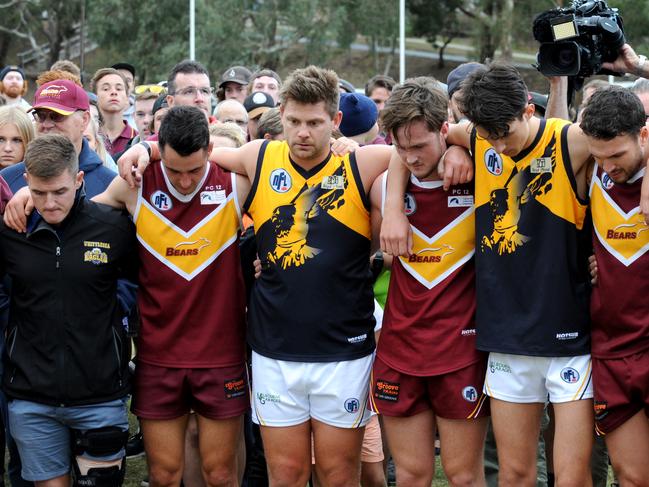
x=66 y=344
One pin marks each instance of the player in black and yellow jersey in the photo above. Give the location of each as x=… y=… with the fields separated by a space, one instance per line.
x=532 y=299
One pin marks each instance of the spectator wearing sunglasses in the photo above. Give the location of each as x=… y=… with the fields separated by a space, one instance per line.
x=62 y=107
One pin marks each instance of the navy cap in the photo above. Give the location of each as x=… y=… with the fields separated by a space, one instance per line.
x=455 y=77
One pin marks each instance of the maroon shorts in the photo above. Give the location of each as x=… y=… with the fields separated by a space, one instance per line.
x=455 y=395
x=169 y=393
x=621 y=387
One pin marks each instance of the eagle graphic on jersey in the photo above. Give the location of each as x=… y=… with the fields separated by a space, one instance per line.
x=507 y=203
x=290 y=223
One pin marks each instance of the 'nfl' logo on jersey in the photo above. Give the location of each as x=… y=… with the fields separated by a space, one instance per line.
x=280 y=180
x=493 y=162
x=161 y=200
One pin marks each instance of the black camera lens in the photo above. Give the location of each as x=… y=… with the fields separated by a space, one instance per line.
x=559 y=59
x=564 y=57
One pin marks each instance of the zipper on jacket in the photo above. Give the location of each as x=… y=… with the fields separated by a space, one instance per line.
x=58 y=254
x=13 y=335
x=117 y=341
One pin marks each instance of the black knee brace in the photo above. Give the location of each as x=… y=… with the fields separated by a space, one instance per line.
x=98 y=442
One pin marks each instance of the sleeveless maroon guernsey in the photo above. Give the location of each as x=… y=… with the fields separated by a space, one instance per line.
x=619 y=306
x=429 y=320
x=191 y=294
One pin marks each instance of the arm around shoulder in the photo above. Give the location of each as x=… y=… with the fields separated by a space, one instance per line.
x=242 y=160
x=119 y=195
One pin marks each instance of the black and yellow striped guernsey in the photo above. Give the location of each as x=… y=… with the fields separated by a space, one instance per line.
x=313 y=301
x=532 y=292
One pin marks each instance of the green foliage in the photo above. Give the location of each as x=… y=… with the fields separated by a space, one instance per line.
x=150 y=35
x=635 y=14
x=433 y=19
x=154 y=36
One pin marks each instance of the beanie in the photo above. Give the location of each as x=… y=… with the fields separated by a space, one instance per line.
x=359 y=114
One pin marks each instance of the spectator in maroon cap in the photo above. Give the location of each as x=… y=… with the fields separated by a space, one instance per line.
x=61 y=107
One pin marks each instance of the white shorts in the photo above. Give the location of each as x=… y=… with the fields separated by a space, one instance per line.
x=523 y=379
x=288 y=393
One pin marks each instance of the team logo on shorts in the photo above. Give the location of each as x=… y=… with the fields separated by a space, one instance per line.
x=162 y=201
x=264 y=397
x=600 y=410
x=469 y=393
x=388 y=391
x=280 y=180
x=607 y=182
x=494 y=162
x=410 y=204
x=234 y=388
x=569 y=375
x=352 y=405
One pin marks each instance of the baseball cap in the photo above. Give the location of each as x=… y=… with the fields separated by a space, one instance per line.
x=359 y=114
x=258 y=103
x=455 y=77
x=8 y=69
x=346 y=85
x=126 y=66
x=236 y=74
x=61 y=96
x=161 y=102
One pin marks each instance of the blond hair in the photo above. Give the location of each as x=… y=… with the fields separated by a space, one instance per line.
x=53 y=75
x=230 y=130
x=18 y=117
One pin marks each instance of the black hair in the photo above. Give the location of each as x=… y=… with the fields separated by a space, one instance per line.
x=185 y=130
x=492 y=97
x=187 y=66
x=613 y=111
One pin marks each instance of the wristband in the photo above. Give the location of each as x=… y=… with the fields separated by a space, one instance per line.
x=147 y=146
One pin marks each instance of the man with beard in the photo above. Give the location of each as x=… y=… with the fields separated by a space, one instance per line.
x=13 y=86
